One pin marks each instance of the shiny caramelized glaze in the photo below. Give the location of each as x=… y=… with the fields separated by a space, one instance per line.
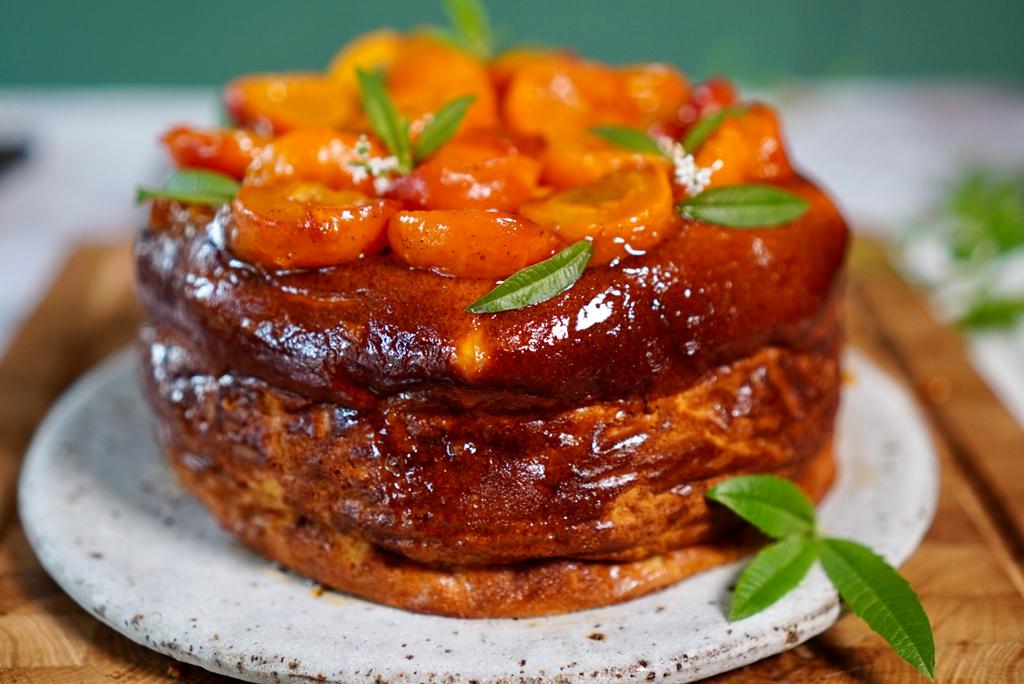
x=374 y=327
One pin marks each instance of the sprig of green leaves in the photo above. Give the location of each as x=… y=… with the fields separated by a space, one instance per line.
x=470 y=28
x=706 y=125
x=390 y=126
x=639 y=141
x=744 y=206
x=393 y=128
x=537 y=283
x=194 y=186
x=442 y=126
x=629 y=139
x=733 y=206
x=872 y=588
x=992 y=312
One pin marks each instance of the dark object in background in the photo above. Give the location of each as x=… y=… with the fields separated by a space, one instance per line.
x=11 y=154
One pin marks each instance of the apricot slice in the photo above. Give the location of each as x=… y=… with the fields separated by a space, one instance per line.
x=626 y=212
x=277 y=103
x=655 y=91
x=562 y=96
x=469 y=243
x=374 y=50
x=226 y=150
x=569 y=162
x=318 y=155
x=750 y=147
x=307 y=225
x=475 y=171
x=505 y=66
x=427 y=73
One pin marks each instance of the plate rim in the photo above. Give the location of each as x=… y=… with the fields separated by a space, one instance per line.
x=811 y=623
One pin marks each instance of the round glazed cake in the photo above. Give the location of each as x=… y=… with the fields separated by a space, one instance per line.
x=332 y=379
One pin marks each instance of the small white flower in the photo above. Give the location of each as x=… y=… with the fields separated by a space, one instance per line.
x=359 y=173
x=363 y=166
x=380 y=166
x=687 y=174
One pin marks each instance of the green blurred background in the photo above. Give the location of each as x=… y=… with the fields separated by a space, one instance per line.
x=80 y=42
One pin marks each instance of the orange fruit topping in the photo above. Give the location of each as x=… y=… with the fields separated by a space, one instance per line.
x=470 y=243
x=307 y=225
x=625 y=212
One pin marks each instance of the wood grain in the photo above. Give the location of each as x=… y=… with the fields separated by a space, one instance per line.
x=968 y=570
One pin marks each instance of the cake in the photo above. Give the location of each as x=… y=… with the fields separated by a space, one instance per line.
x=326 y=382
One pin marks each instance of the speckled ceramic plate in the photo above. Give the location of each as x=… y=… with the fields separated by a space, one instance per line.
x=103 y=513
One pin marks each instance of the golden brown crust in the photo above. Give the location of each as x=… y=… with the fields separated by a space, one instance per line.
x=611 y=480
x=348 y=563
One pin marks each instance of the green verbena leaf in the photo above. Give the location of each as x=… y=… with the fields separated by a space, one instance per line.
x=628 y=138
x=882 y=598
x=706 y=125
x=996 y=312
x=772 y=504
x=442 y=126
x=744 y=206
x=537 y=283
x=988 y=212
x=773 y=573
x=384 y=118
x=194 y=186
x=471 y=26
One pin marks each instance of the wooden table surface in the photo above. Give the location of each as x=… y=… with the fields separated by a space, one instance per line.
x=969 y=570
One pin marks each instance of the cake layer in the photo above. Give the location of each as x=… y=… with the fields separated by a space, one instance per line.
x=614 y=480
x=347 y=562
x=371 y=331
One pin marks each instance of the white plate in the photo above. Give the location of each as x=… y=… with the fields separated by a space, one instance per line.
x=108 y=522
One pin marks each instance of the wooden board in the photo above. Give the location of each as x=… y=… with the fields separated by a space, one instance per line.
x=969 y=570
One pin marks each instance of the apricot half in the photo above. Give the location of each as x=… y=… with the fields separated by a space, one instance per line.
x=477 y=171
x=306 y=225
x=469 y=243
x=226 y=150
x=318 y=155
x=277 y=103
x=563 y=96
x=376 y=50
x=427 y=73
x=626 y=212
x=569 y=162
x=750 y=147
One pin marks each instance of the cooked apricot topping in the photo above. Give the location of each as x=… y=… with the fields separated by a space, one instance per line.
x=470 y=243
x=569 y=162
x=506 y=65
x=318 y=155
x=655 y=91
x=476 y=171
x=226 y=150
x=626 y=212
x=307 y=225
x=750 y=147
x=562 y=96
x=706 y=98
x=373 y=51
x=277 y=103
x=427 y=73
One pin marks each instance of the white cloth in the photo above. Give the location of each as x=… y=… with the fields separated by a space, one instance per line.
x=884 y=150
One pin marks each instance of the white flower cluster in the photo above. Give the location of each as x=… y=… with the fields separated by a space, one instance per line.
x=364 y=166
x=692 y=177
